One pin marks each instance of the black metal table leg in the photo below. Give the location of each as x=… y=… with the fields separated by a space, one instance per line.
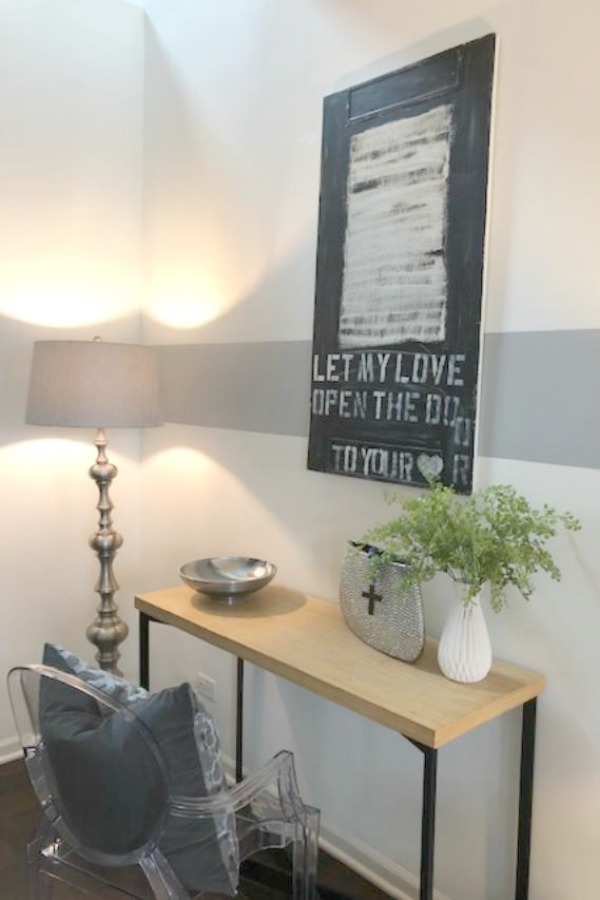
x=525 y=799
x=144 y=650
x=239 y=721
x=428 y=822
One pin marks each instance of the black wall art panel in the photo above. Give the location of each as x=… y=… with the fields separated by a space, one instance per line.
x=399 y=272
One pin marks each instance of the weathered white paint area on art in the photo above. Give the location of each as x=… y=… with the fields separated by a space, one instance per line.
x=395 y=281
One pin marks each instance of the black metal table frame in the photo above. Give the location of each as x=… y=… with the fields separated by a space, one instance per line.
x=429 y=775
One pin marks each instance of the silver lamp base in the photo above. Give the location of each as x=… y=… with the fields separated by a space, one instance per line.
x=108 y=630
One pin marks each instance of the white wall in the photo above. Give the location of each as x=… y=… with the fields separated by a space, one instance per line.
x=70 y=266
x=233 y=121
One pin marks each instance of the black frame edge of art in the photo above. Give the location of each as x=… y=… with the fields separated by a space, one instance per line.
x=399 y=279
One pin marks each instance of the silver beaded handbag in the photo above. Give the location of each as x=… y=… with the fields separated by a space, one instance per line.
x=381 y=613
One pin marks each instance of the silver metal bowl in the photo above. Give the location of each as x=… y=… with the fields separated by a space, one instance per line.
x=227 y=577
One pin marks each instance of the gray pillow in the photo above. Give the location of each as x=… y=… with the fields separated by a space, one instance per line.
x=203 y=853
x=111 y=802
x=110 y=684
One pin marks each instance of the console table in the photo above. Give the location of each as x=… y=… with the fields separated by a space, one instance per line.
x=306 y=641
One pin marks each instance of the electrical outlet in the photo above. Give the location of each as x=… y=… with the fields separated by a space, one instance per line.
x=205 y=686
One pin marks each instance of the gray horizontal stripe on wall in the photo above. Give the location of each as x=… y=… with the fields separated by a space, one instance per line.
x=539 y=392
x=539 y=397
x=263 y=387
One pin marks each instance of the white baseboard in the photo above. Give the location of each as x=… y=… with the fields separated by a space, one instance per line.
x=371 y=865
x=367 y=862
x=10 y=749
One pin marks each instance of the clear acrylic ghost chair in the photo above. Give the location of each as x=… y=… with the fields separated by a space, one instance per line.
x=76 y=840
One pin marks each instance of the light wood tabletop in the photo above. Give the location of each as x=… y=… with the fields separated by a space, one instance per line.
x=306 y=641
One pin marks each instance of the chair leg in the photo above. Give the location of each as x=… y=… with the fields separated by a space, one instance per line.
x=39 y=882
x=40 y=885
x=312 y=850
x=304 y=861
x=299 y=868
x=161 y=878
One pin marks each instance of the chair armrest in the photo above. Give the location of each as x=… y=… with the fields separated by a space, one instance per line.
x=278 y=769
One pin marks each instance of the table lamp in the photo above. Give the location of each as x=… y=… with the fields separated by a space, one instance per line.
x=97 y=384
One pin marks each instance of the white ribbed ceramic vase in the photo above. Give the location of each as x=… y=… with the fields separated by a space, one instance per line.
x=465 y=651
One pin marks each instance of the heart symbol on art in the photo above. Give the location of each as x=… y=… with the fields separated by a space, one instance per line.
x=429 y=466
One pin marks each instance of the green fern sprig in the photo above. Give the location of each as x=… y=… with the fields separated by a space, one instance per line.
x=492 y=537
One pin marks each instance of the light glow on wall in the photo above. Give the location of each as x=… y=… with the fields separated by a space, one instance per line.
x=47 y=478
x=185 y=301
x=215 y=501
x=203 y=483
x=35 y=462
x=40 y=453
x=188 y=462
x=53 y=298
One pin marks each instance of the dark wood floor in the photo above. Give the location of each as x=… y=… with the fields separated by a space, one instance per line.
x=265 y=880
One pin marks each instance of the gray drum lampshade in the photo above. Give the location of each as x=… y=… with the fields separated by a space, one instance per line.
x=93 y=384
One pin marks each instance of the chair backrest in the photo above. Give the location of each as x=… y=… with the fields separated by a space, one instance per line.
x=96 y=768
x=141 y=782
